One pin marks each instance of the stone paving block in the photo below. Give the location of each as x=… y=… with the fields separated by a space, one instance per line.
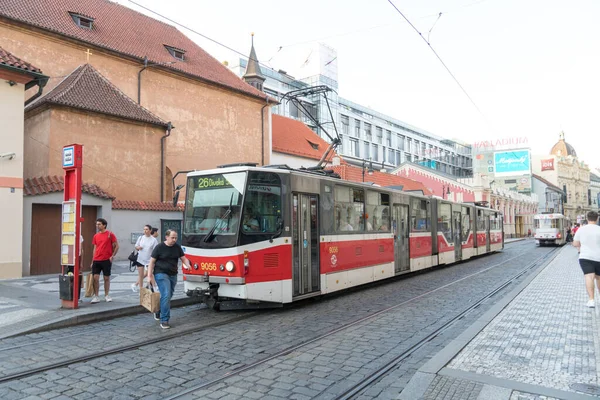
x=547 y=340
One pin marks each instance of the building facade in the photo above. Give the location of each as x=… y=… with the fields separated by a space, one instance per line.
x=158 y=67
x=595 y=190
x=16 y=76
x=551 y=197
x=563 y=168
x=365 y=133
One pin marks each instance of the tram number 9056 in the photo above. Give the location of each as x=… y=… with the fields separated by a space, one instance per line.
x=206 y=266
x=333 y=250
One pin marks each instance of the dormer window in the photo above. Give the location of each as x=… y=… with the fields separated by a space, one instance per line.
x=313 y=145
x=175 y=52
x=83 y=21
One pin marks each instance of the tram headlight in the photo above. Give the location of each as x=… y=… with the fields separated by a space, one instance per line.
x=230 y=266
x=195 y=266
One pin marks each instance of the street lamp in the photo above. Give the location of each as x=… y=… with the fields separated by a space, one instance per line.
x=364 y=166
x=146 y=65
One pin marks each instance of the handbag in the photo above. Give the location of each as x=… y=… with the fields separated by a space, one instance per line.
x=89 y=285
x=133 y=256
x=149 y=299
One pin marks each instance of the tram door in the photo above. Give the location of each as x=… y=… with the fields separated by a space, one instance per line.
x=305 y=244
x=401 y=236
x=456 y=218
x=487 y=233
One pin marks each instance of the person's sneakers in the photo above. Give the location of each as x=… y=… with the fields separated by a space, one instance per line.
x=135 y=288
x=156 y=316
x=108 y=299
x=591 y=304
x=165 y=325
x=95 y=300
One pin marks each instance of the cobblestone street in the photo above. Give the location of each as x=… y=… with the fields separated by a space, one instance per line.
x=320 y=370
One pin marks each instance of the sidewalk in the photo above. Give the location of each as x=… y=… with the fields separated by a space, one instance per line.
x=32 y=303
x=540 y=342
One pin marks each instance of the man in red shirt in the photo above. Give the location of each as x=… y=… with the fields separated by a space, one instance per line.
x=105 y=247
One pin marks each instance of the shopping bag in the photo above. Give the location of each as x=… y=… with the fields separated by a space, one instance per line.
x=89 y=285
x=149 y=299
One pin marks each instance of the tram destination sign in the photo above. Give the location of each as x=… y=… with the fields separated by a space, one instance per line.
x=211 y=182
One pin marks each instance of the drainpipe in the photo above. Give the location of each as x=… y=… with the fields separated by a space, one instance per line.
x=140 y=80
x=162 y=161
x=262 y=129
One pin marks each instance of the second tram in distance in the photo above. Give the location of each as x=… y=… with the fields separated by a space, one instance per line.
x=550 y=228
x=266 y=236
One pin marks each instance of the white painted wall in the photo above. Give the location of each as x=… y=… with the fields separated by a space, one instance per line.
x=292 y=161
x=12 y=98
x=128 y=222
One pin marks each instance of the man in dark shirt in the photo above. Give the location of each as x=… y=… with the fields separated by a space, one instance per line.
x=163 y=271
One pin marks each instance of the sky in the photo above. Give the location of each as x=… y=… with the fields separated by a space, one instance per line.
x=529 y=68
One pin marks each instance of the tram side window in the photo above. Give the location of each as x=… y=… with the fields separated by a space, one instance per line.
x=349 y=209
x=419 y=216
x=262 y=204
x=466 y=224
x=378 y=211
x=480 y=221
x=445 y=221
x=494 y=222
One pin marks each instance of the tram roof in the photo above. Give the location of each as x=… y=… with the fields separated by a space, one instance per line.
x=244 y=167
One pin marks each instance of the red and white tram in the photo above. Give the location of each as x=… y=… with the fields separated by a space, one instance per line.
x=266 y=236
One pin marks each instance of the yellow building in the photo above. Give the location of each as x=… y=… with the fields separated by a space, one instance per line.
x=564 y=169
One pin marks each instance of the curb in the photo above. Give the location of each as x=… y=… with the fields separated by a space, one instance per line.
x=88 y=318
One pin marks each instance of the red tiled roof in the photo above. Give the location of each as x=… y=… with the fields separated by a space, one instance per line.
x=354 y=174
x=53 y=184
x=125 y=31
x=295 y=138
x=86 y=89
x=546 y=182
x=145 y=205
x=10 y=60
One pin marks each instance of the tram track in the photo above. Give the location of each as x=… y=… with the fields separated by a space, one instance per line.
x=363 y=385
x=184 y=332
x=119 y=349
x=380 y=373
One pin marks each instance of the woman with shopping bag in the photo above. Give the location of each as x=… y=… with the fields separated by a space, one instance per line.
x=144 y=247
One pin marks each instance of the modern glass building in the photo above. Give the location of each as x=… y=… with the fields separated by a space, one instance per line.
x=366 y=134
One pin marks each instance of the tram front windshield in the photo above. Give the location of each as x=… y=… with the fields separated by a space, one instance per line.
x=212 y=210
x=546 y=223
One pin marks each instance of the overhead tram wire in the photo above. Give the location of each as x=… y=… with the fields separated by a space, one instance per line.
x=441 y=61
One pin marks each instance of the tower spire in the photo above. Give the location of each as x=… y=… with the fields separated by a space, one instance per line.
x=253 y=75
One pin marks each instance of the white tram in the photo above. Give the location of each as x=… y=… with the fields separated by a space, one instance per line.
x=550 y=229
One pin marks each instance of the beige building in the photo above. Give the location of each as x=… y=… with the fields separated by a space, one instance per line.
x=216 y=117
x=145 y=101
x=16 y=76
x=563 y=168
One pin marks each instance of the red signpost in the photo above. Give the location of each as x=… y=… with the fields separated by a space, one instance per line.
x=72 y=162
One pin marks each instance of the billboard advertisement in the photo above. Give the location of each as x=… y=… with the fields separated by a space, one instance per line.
x=512 y=163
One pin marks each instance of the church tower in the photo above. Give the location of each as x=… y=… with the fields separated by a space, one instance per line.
x=253 y=75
